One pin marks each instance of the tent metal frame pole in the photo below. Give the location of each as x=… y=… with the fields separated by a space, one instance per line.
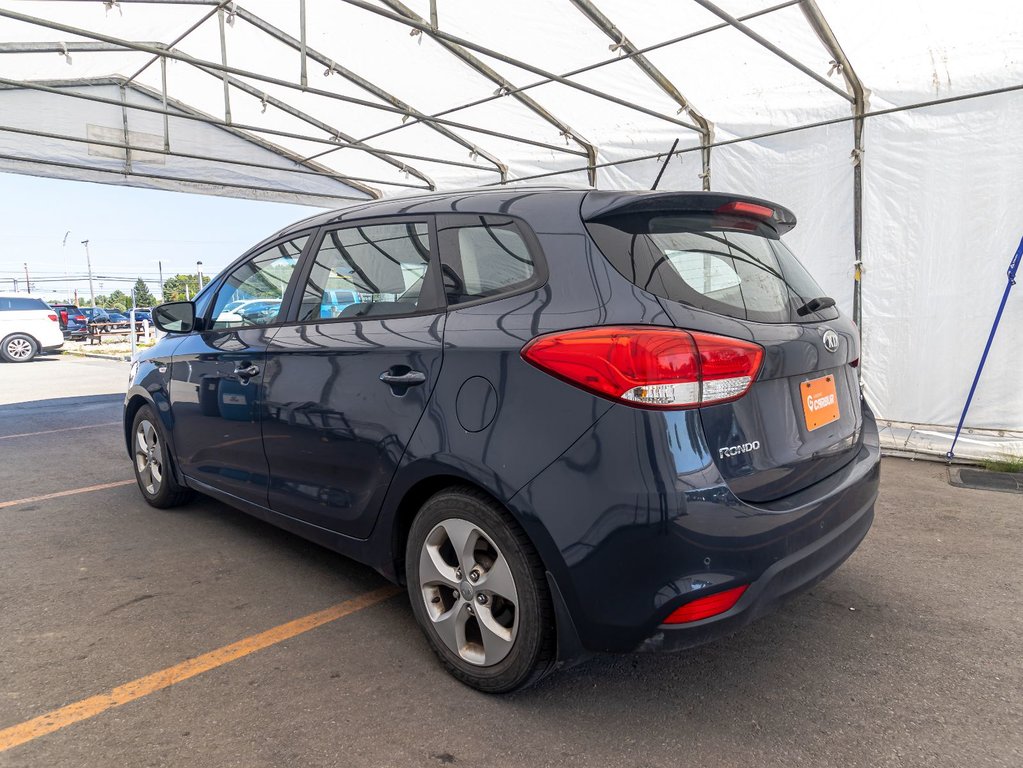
x=166 y=111
x=437 y=34
x=223 y=60
x=192 y=115
x=824 y=32
x=332 y=66
x=310 y=120
x=178 y=56
x=622 y=43
x=305 y=171
x=303 y=75
x=731 y=20
x=124 y=120
x=588 y=67
x=179 y=38
x=499 y=80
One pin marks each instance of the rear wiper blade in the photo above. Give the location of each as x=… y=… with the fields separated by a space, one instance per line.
x=815 y=305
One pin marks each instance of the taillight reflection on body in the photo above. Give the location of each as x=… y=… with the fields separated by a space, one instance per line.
x=647 y=366
x=52 y=317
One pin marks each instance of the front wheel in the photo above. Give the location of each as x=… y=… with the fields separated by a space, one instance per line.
x=18 y=348
x=479 y=592
x=153 y=470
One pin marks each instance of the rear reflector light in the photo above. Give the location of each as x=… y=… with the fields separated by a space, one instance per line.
x=649 y=367
x=706 y=607
x=748 y=209
x=52 y=316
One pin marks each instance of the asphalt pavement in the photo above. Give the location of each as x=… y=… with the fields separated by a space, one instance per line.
x=911 y=654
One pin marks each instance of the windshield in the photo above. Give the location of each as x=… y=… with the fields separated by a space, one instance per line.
x=725 y=265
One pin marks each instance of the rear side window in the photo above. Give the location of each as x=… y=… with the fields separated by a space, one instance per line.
x=375 y=270
x=483 y=257
x=731 y=267
x=19 y=304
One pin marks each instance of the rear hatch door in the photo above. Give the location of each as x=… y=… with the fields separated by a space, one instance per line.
x=718 y=265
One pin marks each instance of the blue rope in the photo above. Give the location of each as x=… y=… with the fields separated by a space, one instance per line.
x=1013 y=269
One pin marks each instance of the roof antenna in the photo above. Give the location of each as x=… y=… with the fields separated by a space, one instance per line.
x=665 y=165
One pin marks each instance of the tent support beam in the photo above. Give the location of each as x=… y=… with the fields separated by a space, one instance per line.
x=304 y=171
x=503 y=83
x=303 y=75
x=773 y=48
x=309 y=119
x=587 y=68
x=163 y=94
x=178 y=56
x=823 y=31
x=178 y=39
x=124 y=121
x=223 y=60
x=461 y=41
x=621 y=42
x=369 y=87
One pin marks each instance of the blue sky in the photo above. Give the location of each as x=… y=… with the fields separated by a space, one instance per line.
x=129 y=230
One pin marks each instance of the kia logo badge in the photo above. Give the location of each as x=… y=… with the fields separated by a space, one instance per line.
x=830 y=340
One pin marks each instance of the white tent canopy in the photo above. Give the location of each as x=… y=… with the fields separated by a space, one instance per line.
x=892 y=129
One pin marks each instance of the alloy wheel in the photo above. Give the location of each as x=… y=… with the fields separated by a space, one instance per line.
x=148 y=457
x=19 y=349
x=469 y=592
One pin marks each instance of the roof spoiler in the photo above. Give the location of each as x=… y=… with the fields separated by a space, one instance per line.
x=600 y=205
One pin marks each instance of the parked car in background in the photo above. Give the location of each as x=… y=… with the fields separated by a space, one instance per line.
x=335 y=301
x=116 y=318
x=28 y=327
x=95 y=314
x=568 y=421
x=73 y=321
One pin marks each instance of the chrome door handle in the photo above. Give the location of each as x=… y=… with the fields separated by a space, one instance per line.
x=246 y=372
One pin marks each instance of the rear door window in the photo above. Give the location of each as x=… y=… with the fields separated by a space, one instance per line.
x=484 y=257
x=21 y=304
x=736 y=268
x=372 y=270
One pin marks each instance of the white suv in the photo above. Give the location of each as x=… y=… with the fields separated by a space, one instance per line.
x=28 y=326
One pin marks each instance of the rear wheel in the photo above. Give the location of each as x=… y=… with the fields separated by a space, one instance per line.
x=152 y=463
x=18 y=348
x=479 y=592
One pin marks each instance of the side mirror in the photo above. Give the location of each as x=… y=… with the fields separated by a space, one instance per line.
x=175 y=317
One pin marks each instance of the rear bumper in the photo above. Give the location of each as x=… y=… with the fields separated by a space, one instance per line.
x=788 y=577
x=634 y=521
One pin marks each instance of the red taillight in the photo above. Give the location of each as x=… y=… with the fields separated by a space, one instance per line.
x=79 y=318
x=647 y=366
x=52 y=316
x=704 y=607
x=747 y=209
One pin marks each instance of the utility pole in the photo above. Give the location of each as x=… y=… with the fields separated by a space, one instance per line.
x=198 y=270
x=88 y=263
x=163 y=296
x=28 y=283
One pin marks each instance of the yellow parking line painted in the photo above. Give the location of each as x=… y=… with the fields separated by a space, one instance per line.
x=157 y=681
x=54 y=431
x=72 y=492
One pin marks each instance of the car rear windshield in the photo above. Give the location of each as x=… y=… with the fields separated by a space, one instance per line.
x=17 y=303
x=727 y=265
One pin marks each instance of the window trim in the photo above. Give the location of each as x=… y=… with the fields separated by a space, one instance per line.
x=541 y=274
x=433 y=289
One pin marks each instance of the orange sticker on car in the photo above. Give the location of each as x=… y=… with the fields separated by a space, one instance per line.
x=820 y=401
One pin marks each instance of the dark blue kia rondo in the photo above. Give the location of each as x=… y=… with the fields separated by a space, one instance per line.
x=568 y=421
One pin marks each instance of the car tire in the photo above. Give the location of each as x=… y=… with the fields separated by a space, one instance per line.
x=151 y=461
x=486 y=610
x=18 y=348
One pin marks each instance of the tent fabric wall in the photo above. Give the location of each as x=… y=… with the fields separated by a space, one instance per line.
x=941 y=186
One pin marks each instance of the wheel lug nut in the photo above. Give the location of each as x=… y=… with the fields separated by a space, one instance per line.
x=482 y=599
x=458 y=573
x=454 y=594
x=474 y=575
x=469 y=609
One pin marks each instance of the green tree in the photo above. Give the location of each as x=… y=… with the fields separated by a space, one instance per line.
x=143 y=297
x=117 y=300
x=174 y=287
